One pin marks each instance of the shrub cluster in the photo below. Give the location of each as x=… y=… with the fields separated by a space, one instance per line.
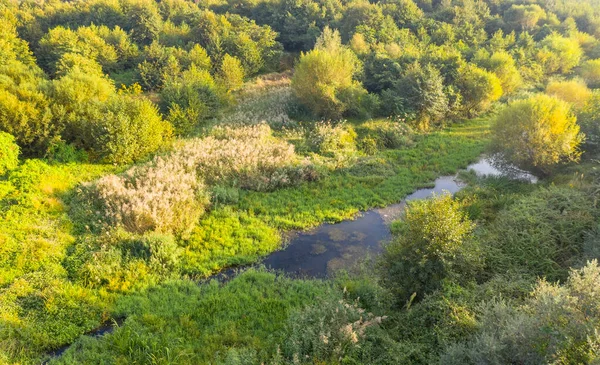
x=328 y=138
x=167 y=194
x=557 y=324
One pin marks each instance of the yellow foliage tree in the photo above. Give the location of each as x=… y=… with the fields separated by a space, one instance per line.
x=537 y=133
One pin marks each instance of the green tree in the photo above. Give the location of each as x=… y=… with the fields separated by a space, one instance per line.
x=143 y=20
x=431 y=243
x=325 y=72
x=160 y=64
x=420 y=92
x=502 y=64
x=524 y=17
x=189 y=99
x=559 y=54
x=127 y=129
x=231 y=73
x=537 y=133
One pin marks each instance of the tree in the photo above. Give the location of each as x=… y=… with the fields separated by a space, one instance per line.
x=537 y=133
x=502 y=64
x=189 y=99
x=143 y=20
x=524 y=17
x=590 y=71
x=231 y=73
x=420 y=92
x=323 y=73
x=479 y=88
x=76 y=99
x=159 y=65
x=431 y=244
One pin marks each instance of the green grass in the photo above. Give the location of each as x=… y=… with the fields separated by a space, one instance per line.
x=181 y=322
x=40 y=308
x=344 y=193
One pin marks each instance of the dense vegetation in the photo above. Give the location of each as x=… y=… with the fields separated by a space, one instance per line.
x=147 y=145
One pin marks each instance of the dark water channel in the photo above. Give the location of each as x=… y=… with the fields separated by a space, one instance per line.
x=329 y=247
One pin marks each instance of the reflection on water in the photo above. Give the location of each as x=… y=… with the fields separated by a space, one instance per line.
x=331 y=247
x=487 y=167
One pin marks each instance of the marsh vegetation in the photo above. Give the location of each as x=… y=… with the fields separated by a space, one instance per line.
x=146 y=146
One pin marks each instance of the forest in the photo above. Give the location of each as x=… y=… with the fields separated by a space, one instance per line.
x=154 y=153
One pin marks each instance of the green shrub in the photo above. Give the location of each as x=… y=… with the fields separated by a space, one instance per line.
x=117 y=260
x=62 y=152
x=129 y=129
x=590 y=71
x=9 y=153
x=368 y=145
x=327 y=138
x=540 y=234
x=388 y=133
x=556 y=324
x=431 y=243
x=589 y=120
x=325 y=331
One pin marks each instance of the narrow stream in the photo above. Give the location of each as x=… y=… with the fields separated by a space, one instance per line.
x=329 y=247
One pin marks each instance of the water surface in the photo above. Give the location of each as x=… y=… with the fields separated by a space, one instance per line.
x=330 y=247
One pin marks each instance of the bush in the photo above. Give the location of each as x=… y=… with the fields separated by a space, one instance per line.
x=164 y=196
x=9 y=153
x=327 y=138
x=121 y=261
x=432 y=243
x=129 y=129
x=589 y=120
x=537 y=133
x=541 y=234
x=326 y=331
x=572 y=91
x=388 y=133
x=556 y=325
